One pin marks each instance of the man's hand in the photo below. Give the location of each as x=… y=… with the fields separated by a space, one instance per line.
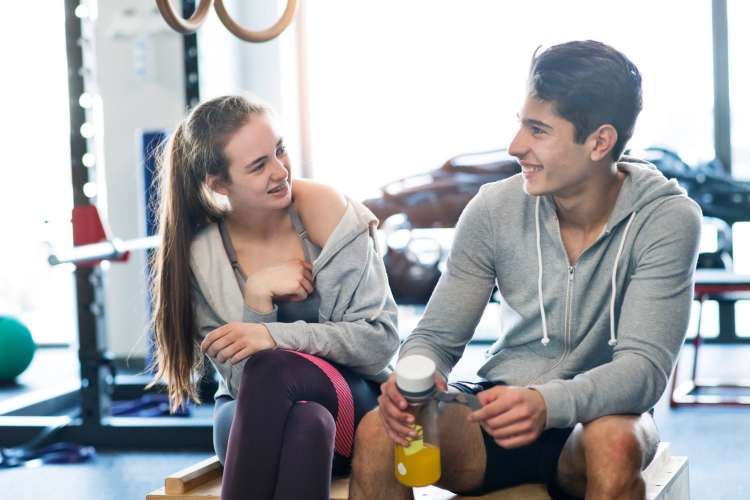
x=392 y=410
x=513 y=416
x=237 y=341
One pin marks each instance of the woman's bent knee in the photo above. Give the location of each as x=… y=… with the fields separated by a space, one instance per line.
x=266 y=362
x=309 y=424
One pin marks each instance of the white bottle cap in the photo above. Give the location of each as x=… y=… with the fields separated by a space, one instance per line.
x=415 y=374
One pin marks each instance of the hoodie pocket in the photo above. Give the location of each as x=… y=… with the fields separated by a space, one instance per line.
x=513 y=364
x=553 y=350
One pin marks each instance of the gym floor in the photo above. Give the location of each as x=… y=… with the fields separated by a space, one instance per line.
x=715 y=439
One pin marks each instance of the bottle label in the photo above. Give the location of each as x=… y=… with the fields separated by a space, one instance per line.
x=417 y=443
x=401 y=469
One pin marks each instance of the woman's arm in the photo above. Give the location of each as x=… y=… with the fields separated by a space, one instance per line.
x=362 y=332
x=364 y=336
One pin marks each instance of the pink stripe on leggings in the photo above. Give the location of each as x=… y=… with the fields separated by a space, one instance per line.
x=345 y=416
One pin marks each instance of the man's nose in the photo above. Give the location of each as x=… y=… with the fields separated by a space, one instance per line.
x=517 y=147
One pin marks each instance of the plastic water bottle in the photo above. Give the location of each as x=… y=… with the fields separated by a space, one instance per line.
x=419 y=463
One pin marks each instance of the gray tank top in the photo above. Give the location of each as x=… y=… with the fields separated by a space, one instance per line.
x=306 y=310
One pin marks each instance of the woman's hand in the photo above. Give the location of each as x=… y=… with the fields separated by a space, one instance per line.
x=237 y=341
x=291 y=280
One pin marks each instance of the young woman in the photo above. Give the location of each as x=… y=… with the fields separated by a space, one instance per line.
x=280 y=285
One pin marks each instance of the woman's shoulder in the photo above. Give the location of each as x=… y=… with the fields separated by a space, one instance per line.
x=320 y=207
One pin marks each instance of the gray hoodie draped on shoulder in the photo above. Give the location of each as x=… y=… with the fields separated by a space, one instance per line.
x=597 y=338
x=357 y=317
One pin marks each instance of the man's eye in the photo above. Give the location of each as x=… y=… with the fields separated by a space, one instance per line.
x=536 y=130
x=281 y=150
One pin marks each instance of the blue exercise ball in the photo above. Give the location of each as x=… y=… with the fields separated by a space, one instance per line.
x=16 y=348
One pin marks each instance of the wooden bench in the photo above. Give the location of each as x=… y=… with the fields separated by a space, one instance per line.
x=666 y=479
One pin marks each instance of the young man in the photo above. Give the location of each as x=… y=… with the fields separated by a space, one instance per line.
x=594 y=257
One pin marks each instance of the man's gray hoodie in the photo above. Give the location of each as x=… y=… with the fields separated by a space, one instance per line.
x=597 y=338
x=357 y=315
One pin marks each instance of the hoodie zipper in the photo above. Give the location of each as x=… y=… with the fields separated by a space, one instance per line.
x=568 y=313
x=568 y=322
x=567 y=341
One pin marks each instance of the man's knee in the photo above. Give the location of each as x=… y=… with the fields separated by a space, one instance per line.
x=463 y=457
x=373 y=449
x=571 y=465
x=617 y=448
x=617 y=441
x=622 y=440
x=370 y=437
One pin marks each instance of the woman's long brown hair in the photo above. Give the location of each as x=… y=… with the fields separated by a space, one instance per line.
x=185 y=206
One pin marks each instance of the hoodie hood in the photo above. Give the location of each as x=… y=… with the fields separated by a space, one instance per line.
x=644 y=184
x=357 y=219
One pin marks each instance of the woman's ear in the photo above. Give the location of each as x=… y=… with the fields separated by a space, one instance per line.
x=216 y=185
x=604 y=139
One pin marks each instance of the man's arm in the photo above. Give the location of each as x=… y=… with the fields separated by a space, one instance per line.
x=462 y=293
x=651 y=328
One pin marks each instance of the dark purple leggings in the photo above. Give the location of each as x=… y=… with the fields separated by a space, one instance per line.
x=293 y=426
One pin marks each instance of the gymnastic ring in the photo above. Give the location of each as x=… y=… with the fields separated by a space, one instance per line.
x=178 y=23
x=256 y=36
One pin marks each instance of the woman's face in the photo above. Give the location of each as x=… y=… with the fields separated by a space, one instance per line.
x=259 y=173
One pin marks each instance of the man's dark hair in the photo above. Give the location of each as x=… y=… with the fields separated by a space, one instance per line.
x=589 y=84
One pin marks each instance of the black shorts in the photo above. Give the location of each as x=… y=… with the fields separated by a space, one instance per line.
x=533 y=463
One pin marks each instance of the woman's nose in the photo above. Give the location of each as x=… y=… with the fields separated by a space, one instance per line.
x=280 y=168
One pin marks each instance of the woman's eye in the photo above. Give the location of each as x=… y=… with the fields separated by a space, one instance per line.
x=281 y=151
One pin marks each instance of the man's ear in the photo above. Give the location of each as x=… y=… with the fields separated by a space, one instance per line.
x=216 y=185
x=603 y=139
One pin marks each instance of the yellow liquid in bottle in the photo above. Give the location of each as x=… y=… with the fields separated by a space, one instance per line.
x=417 y=465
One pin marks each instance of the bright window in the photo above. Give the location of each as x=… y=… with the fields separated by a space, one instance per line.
x=738 y=12
x=400 y=87
x=742 y=318
x=36 y=199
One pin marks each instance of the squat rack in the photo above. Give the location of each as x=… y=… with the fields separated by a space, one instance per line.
x=94 y=424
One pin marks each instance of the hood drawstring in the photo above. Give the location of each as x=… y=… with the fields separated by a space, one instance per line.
x=612 y=338
x=545 y=334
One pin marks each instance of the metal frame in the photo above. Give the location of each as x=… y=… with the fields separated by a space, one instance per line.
x=722 y=112
x=20 y=419
x=688 y=392
x=190 y=51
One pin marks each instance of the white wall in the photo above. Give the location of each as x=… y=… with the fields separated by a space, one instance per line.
x=268 y=70
x=140 y=78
